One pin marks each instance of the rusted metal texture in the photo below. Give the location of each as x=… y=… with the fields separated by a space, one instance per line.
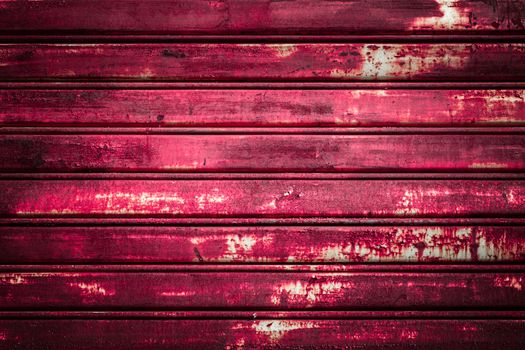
x=240 y=174
x=263 y=108
x=263 y=198
x=262 y=17
x=266 y=290
x=262 y=244
x=264 y=62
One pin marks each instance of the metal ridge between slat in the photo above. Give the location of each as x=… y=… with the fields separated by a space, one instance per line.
x=264 y=314
x=232 y=85
x=512 y=37
x=266 y=268
x=322 y=130
x=496 y=174
x=314 y=221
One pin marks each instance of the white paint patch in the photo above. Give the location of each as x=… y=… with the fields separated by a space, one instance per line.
x=13 y=279
x=488 y=165
x=511 y=197
x=406 y=204
x=509 y=282
x=237 y=247
x=244 y=243
x=334 y=253
x=276 y=329
x=284 y=50
x=451 y=17
x=202 y=239
x=146 y=74
x=122 y=202
x=143 y=198
x=398 y=61
x=273 y=203
x=288 y=193
x=270 y=205
x=509 y=97
x=177 y=294
x=92 y=289
x=191 y=166
x=416 y=244
x=51 y=212
x=409 y=334
x=299 y=292
x=206 y=199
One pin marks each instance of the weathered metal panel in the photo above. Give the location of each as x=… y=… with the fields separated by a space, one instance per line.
x=141 y=334
x=261 y=290
x=261 y=244
x=262 y=153
x=264 y=62
x=263 y=108
x=243 y=174
x=263 y=198
x=262 y=17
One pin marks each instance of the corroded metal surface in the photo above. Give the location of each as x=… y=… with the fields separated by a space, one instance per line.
x=262 y=198
x=262 y=153
x=260 y=108
x=241 y=174
x=263 y=17
x=263 y=62
x=263 y=244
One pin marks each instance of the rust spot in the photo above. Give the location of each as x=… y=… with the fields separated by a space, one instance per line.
x=509 y=13
x=25 y=56
x=173 y=53
x=198 y=254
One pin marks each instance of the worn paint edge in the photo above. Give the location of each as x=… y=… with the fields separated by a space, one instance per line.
x=264 y=314
x=270 y=268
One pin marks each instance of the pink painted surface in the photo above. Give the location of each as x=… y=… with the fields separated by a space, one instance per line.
x=262 y=198
x=262 y=244
x=281 y=174
x=256 y=290
x=263 y=108
x=274 y=334
x=262 y=17
x=263 y=62
x=262 y=153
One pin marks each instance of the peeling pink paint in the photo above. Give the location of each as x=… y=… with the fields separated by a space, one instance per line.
x=262 y=174
x=300 y=292
x=274 y=330
x=260 y=108
x=92 y=289
x=265 y=62
x=262 y=18
x=265 y=244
